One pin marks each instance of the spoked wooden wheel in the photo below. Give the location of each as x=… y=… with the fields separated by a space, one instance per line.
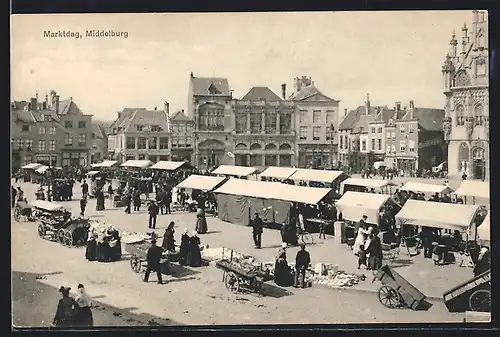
x=68 y=239
x=389 y=297
x=41 y=231
x=136 y=263
x=307 y=238
x=480 y=300
x=60 y=236
x=17 y=214
x=231 y=281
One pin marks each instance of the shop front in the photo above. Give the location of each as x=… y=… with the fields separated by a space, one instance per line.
x=75 y=158
x=47 y=159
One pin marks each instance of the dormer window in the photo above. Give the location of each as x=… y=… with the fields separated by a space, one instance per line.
x=139 y=128
x=391 y=122
x=212 y=90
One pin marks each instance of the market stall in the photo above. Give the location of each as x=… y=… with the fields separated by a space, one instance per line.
x=280 y=173
x=105 y=163
x=354 y=205
x=234 y=171
x=328 y=177
x=366 y=185
x=38 y=174
x=484 y=232
x=168 y=165
x=203 y=183
x=475 y=189
x=426 y=188
x=141 y=164
x=28 y=170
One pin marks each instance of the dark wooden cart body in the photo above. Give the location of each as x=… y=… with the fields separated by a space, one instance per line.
x=22 y=209
x=138 y=258
x=236 y=278
x=396 y=290
x=74 y=233
x=473 y=294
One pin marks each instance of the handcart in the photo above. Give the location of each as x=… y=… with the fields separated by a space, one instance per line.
x=22 y=209
x=474 y=295
x=74 y=233
x=241 y=276
x=138 y=259
x=396 y=291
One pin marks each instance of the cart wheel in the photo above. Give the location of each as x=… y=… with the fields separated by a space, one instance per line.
x=41 y=231
x=307 y=238
x=389 y=297
x=135 y=263
x=17 y=214
x=231 y=281
x=480 y=300
x=68 y=239
x=60 y=236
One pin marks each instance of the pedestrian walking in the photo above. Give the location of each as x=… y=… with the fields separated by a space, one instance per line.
x=83 y=314
x=302 y=261
x=66 y=309
x=258 y=226
x=83 y=205
x=153 y=210
x=153 y=258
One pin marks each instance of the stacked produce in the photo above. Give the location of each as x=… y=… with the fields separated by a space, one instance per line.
x=330 y=276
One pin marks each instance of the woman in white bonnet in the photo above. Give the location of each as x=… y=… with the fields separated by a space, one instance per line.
x=83 y=315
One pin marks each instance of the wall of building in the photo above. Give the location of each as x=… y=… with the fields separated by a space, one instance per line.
x=430 y=149
x=76 y=142
x=377 y=138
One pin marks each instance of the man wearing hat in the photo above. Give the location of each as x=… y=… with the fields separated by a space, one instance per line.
x=153 y=258
x=258 y=226
x=302 y=261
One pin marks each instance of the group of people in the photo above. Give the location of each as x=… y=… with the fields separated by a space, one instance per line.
x=284 y=276
x=367 y=245
x=103 y=245
x=189 y=249
x=73 y=312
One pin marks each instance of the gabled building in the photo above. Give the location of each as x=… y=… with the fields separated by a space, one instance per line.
x=209 y=106
x=379 y=141
x=140 y=134
x=317 y=124
x=466 y=89
x=99 y=150
x=54 y=132
x=182 y=136
x=263 y=129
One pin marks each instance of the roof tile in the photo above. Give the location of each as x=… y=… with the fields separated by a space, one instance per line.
x=261 y=93
x=147 y=117
x=180 y=116
x=202 y=86
x=307 y=92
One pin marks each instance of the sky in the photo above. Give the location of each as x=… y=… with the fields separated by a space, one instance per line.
x=393 y=56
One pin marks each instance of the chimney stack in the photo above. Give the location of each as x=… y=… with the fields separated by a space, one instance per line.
x=345 y=112
x=156 y=108
x=397 y=107
x=367 y=104
x=33 y=104
x=192 y=75
x=167 y=109
x=283 y=90
x=412 y=109
x=57 y=103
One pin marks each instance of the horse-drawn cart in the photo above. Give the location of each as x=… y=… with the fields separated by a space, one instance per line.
x=474 y=295
x=240 y=275
x=23 y=209
x=396 y=291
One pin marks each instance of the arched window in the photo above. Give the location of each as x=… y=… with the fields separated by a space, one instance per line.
x=241 y=146
x=478 y=114
x=478 y=153
x=285 y=147
x=460 y=119
x=255 y=146
x=463 y=156
x=270 y=147
x=211 y=117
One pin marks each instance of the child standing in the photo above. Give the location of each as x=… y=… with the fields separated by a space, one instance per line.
x=322 y=226
x=362 y=256
x=83 y=205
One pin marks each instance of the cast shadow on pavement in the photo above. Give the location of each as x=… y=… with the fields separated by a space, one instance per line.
x=269 y=290
x=212 y=232
x=424 y=306
x=398 y=263
x=34 y=305
x=178 y=271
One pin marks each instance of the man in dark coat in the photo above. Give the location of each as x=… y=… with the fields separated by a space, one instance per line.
x=153 y=210
x=153 y=258
x=258 y=226
x=128 y=202
x=85 y=189
x=13 y=200
x=83 y=205
x=302 y=261
x=168 y=200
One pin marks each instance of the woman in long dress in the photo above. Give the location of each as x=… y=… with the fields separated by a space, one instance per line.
x=83 y=315
x=168 y=238
x=201 y=221
x=194 y=251
x=66 y=309
x=360 y=239
x=91 y=250
x=184 y=248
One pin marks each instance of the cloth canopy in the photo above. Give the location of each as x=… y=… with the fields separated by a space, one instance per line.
x=273 y=190
x=240 y=171
x=278 y=172
x=437 y=214
x=368 y=183
x=378 y=164
x=137 y=163
x=425 y=188
x=474 y=188
x=92 y=173
x=484 y=230
x=204 y=183
x=42 y=169
x=105 y=163
x=354 y=205
x=32 y=166
x=47 y=205
x=168 y=165
x=324 y=176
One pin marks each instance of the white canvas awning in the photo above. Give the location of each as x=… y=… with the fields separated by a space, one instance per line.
x=437 y=214
x=239 y=171
x=32 y=166
x=47 y=205
x=92 y=173
x=425 y=188
x=484 y=230
x=137 y=163
x=354 y=205
x=474 y=188
x=324 y=176
x=204 y=183
x=302 y=194
x=105 y=163
x=273 y=190
x=42 y=169
x=278 y=172
x=168 y=165
x=368 y=183
x=247 y=188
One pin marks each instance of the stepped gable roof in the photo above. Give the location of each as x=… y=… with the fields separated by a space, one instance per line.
x=210 y=86
x=261 y=93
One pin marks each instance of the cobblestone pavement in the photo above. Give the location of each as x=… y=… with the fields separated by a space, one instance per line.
x=198 y=296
